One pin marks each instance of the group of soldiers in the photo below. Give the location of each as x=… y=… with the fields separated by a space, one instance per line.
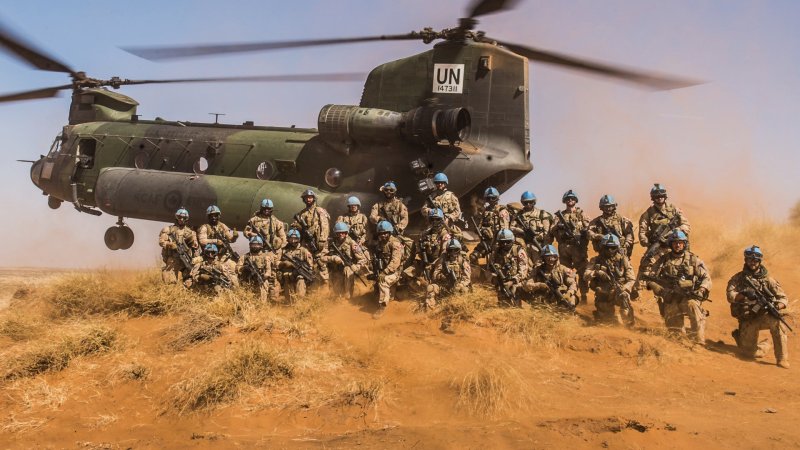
x=528 y=254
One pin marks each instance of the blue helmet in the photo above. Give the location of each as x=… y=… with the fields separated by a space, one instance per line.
x=267 y=203
x=491 y=193
x=294 y=232
x=440 y=178
x=256 y=240
x=435 y=213
x=677 y=235
x=385 y=227
x=658 y=190
x=610 y=240
x=210 y=248
x=213 y=209
x=548 y=250
x=389 y=186
x=353 y=201
x=454 y=245
x=182 y=213
x=527 y=196
x=607 y=200
x=505 y=235
x=568 y=195
x=754 y=252
x=341 y=227
x=308 y=193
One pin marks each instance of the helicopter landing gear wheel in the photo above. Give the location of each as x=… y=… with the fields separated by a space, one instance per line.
x=119 y=237
x=127 y=235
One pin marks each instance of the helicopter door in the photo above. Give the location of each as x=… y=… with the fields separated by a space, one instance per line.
x=85 y=175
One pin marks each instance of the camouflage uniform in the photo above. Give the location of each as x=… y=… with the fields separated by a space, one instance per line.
x=448 y=203
x=343 y=278
x=573 y=253
x=649 y=222
x=271 y=230
x=264 y=263
x=539 y=222
x=317 y=219
x=213 y=234
x=396 y=213
x=611 y=278
x=390 y=255
x=431 y=244
x=751 y=323
x=358 y=224
x=442 y=280
x=514 y=264
x=199 y=277
x=615 y=224
x=564 y=278
x=683 y=271
x=173 y=270
x=491 y=218
x=292 y=283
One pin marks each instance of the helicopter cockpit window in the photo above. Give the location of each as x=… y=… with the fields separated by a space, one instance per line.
x=86 y=153
x=55 y=148
x=333 y=177
x=265 y=170
x=201 y=165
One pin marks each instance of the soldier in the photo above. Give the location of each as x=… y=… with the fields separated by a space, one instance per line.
x=655 y=226
x=611 y=223
x=345 y=258
x=509 y=264
x=680 y=280
x=210 y=273
x=178 y=245
x=451 y=274
x=611 y=277
x=553 y=282
x=532 y=225
x=217 y=233
x=391 y=209
x=443 y=199
x=492 y=217
x=432 y=242
x=356 y=221
x=256 y=269
x=758 y=303
x=387 y=265
x=313 y=224
x=295 y=268
x=270 y=229
x=570 y=230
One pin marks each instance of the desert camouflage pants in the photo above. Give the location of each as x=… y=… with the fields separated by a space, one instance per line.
x=343 y=281
x=386 y=287
x=292 y=286
x=675 y=310
x=173 y=272
x=434 y=290
x=748 y=336
x=606 y=304
x=575 y=257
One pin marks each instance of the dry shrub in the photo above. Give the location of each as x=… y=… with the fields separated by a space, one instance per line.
x=363 y=393
x=12 y=425
x=466 y=307
x=132 y=371
x=196 y=328
x=36 y=392
x=540 y=325
x=489 y=390
x=794 y=214
x=252 y=364
x=54 y=357
x=19 y=329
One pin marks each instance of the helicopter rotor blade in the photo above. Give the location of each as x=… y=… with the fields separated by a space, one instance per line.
x=651 y=81
x=34 y=94
x=485 y=7
x=166 y=53
x=259 y=78
x=28 y=53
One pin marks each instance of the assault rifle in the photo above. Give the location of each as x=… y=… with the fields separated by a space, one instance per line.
x=530 y=234
x=306 y=234
x=500 y=282
x=218 y=277
x=226 y=244
x=555 y=292
x=389 y=219
x=451 y=274
x=252 y=269
x=660 y=235
x=680 y=287
x=569 y=229
x=301 y=267
x=484 y=244
x=626 y=299
x=346 y=260
x=765 y=302
x=377 y=266
x=183 y=251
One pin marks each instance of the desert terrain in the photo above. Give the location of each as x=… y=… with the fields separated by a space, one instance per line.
x=106 y=360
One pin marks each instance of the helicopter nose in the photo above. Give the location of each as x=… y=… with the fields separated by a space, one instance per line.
x=36 y=172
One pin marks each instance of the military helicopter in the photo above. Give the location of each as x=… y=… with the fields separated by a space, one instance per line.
x=460 y=108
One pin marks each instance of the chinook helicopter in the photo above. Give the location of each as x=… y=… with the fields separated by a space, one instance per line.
x=460 y=108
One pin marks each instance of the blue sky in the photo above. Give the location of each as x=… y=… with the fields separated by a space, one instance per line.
x=727 y=145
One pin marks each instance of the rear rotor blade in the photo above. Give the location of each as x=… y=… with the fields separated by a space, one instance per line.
x=260 y=78
x=649 y=80
x=38 y=93
x=28 y=53
x=484 y=7
x=165 y=53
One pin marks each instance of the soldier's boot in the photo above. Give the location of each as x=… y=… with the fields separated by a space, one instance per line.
x=628 y=318
x=380 y=311
x=783 y=363
x=634 y=294
x=735 y=336
x=582 y=300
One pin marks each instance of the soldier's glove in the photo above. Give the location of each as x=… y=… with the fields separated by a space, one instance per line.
x=779 y=305
x=539 y=287
x=204 y=277
x=171 y=246
x=602 y=275
x=749 y=293
x=337 y=260
x=702 y=292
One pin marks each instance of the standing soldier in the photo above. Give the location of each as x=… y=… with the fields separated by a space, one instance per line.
x=656 y=225
x=178 y=245
x=270 y=229
x=492 y=217
x=552 y=281
x=432 y=242
x=451 y=274
x=443 y=199
x=256 y=269
x=610 y=276
x=509 y=264
x=680 y=280
x=387 y=265
x=217 y=233
x=758 y=303
x=313 y=224
x=295 y=268
x=356 y=221
x=391 y=209
x=532 y=225
x=570 y=230
x=345 y=258
x=611 y=223
x=211 y=273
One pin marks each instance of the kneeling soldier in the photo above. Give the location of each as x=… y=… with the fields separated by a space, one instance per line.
x=295 y=268
x=217 y=233
x=211 y=273
x=758 y=302
x=451 y=274
x=255 y=270
x=552 y=281
x=611 y=277
x=345 y=259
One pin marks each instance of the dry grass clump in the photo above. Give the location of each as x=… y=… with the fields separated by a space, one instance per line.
x=196 y=328
x=466 y=307
x=19 y=329
x=540 y=325
x=132 y=372
x=252 y=365
x=363 y=393
x=490 y=390
x=54 y=357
